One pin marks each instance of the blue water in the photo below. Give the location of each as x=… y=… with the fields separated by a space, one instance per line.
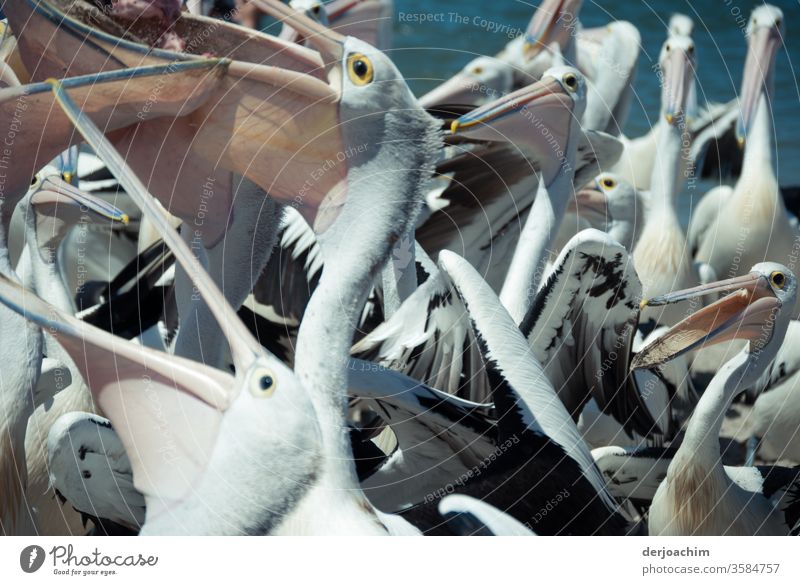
x=428 y=52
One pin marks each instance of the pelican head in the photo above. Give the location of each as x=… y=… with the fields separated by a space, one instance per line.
x=554 y=22
x=765 y=32
x=540 y=118
x=360 y=106
x=57 y=205
x=608 y=199
x=480 y=81
x=755 y=308
x=681 y=25
x=677 y=69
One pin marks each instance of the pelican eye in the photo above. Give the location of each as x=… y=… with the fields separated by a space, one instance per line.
x=778 y=23
x=690 y=50
x=67 y=176
x=477 y=70
x=778 y=279
x=608 y=183
x=263 y=383
x=315 y=9
x=359 y=68
x=571 y=81
x=668 y=47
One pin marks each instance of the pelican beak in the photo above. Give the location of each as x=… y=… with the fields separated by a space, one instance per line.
x=677 y=80
x=53 y=192
x=762 y=48
x=330 y=44
x=747 y=312
x=553 y=22
x=461 y=89
x=538 y=117
x=592 y=205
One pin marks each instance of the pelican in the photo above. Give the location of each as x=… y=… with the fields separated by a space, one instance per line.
x=228 y=408
x=612 y=205
x=50 y=209
x=494 y=185
x=733 y=228
x=661 y=255
x=697 y=496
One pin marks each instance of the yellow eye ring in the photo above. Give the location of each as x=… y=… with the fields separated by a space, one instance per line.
x=778 y=279
x=571 y=81
x=477 y=70
x=263 y=383
x=359 y=69
x=608 y=183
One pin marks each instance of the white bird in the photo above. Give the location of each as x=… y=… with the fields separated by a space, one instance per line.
x=697 y=497
x=51 y=208
x=733 y=228
x=531 y=133
x=661 y=254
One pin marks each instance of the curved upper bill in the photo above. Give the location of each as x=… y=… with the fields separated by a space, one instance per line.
x=536 y=118
x=762 y=48
x=745 y=313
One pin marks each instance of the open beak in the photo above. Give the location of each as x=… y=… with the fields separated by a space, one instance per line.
x=745 y=313
x=592 y=205
x=537 y=117
x=762 y=49
x=546 y=27
x=677 y=78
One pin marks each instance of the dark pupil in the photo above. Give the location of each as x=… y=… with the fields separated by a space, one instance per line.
x=778 y=278
x=265 y=382
x=608 y=183
x=571 y=81
x=360 y=68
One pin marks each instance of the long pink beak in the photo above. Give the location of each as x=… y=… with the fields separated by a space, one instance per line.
x=677 y=78
x=762 y=49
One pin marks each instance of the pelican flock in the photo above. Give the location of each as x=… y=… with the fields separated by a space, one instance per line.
x=251 y=284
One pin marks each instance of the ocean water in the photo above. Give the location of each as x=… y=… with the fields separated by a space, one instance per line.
x=428 y=52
